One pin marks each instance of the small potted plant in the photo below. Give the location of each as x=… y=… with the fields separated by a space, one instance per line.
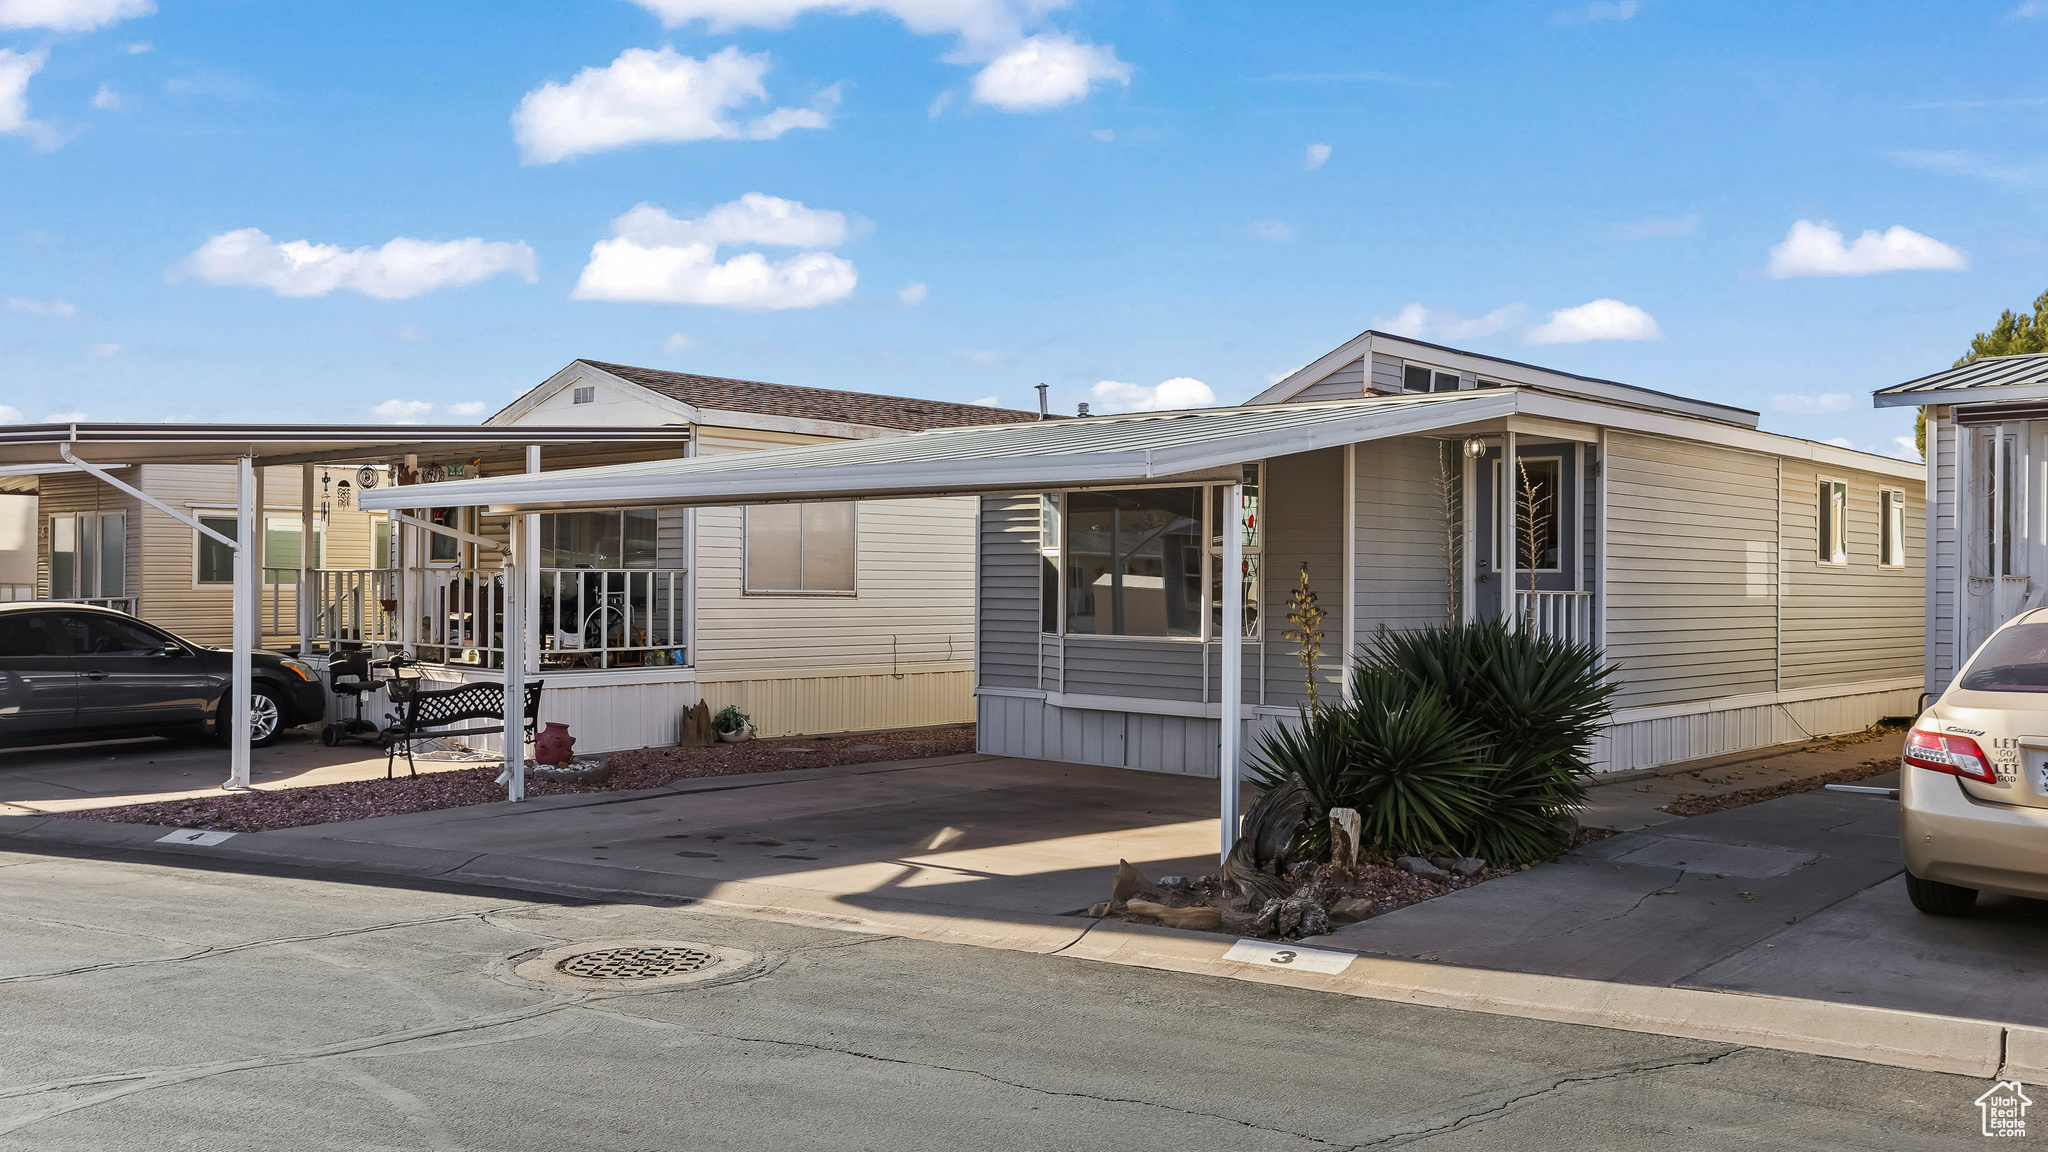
x=732 y=725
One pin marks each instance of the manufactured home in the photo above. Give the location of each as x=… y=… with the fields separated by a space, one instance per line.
x=1133 y=571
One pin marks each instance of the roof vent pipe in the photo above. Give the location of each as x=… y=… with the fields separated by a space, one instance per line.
x=1084 y=409
x=1042 y=413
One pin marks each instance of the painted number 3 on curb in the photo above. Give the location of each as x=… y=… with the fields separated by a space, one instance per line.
x=1271 y=955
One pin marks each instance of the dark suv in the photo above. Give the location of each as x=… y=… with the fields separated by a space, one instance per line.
x=71 y=672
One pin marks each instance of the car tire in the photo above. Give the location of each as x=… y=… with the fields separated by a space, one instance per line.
x=267 y=705
x=1938 y=899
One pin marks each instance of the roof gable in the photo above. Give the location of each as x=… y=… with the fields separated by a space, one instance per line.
x=829 y=404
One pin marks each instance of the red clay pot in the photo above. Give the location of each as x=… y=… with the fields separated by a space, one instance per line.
x=554 y=745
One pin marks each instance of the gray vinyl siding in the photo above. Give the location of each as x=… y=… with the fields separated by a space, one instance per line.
x=1304 y=509
x=1855 y=622
x=1133 y=666
x=1386 y=373
x=1006 y=625
x=1345 y=383
x=1941 y=582
x=1403 y=571
x=1031 y=728
x=1692 y=569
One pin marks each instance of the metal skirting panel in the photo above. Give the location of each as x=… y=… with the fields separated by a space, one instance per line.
x=821 y=705
x=610 y=717
x=1022 y=726
x=1648 y=743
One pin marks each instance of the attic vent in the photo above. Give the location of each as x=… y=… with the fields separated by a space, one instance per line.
x=584 y=396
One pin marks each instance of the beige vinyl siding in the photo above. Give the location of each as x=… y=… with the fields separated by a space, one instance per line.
x=68 y=494
x=913 y=611
x=1403 y=579
x=1008 y=627
x=1692 y=569
x=1854 y=622
x=1345 y=383
x=1304 y=525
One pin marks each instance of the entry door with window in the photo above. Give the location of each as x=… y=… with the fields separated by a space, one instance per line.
x=38 y=682
x=132 y=676
x=1546 y=525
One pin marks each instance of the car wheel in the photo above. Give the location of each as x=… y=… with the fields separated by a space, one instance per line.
x=266 y=717
x=1938 y=899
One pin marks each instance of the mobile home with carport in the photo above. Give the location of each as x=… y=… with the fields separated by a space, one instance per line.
x=1134 y=570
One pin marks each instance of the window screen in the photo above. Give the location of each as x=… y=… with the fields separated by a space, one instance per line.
x=216 y=560
x=801 y=547
x=1415 y=378
x=1445 y=382
x=1134 y=562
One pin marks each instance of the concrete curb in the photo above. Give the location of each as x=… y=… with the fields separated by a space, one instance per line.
x=1885 y=1036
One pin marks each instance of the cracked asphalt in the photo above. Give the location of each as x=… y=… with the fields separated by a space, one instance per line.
x=154 y=1004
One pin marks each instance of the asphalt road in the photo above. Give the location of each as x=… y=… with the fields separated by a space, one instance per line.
x=153 y=1005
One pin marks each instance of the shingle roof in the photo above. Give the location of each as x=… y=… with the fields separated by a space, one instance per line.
x=1988 y=372
x=812 y=403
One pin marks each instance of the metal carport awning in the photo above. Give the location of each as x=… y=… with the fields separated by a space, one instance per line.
x=32 y=449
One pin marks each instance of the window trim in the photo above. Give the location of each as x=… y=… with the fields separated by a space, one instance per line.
x=1840 y=529
x=583 y=394
x=199 y=544
x=79 y=548
x=852 y=593
x=1885 y=498
x=1563 y=494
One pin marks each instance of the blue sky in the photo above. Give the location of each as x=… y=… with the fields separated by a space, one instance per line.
x=360 y=211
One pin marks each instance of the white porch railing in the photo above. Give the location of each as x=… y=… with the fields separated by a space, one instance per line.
x=1557 y=615
x=587 y=618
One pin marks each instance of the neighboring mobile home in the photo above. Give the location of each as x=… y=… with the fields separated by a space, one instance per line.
x=1987 y=537
x=811 y=619
x=1753 y=588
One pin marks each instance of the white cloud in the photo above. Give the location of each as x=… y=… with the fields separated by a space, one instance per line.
x=400 y=270
x=70 y=15
x=1600 y=10
x=979 y=357
x=1841 y=442
x=468 y=408
x=55 y=309
x=914 y=294
x=679 y=343
x=9 y=414
x=102 y=351
x=1429 y=323
x=1271 y=231
x=1811 y=249
x=1597 y=320
x=1804 y=405
x=137 y=48
x=410 y=333
x=1317 y=155
x=1168 y=395
x=1046 y=71
x=1991 y=169
x=72 y=417
x=2030 y=8
x=106 y=99
x=1654 y=227
x=978 y=23
x=1905 y=449
x=1106 y=135
x=16 y=69
x=985 y=402
x=655 y=258
x=655 y=96
x=402 y=411
x=939 y=104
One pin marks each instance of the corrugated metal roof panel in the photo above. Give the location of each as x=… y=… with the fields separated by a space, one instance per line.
x=2008 y=375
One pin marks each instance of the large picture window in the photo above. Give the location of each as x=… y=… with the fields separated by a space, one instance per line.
x=802 y=548
x=1134 y=562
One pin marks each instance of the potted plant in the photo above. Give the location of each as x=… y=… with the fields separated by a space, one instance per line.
x=732 y=725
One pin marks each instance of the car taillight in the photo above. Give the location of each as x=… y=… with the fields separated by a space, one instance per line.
x=1955 y=755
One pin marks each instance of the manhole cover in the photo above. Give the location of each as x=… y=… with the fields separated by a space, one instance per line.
x=634 y=963
x=619 y=966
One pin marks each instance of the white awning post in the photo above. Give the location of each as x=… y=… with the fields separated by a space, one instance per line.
x=513 y=601
x=306 y=601
x=246 y=600
x=411 y=558
x=529 y=560
x=1231 y=732
x=1510 y=488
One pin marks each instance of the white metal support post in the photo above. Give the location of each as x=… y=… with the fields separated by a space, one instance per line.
x=529 y=562
x=248 y=631
x=1231 y=732
x=1506 y=519
x=1350 y=564
x=306 y=601
x=255 y=535
x=514 y=647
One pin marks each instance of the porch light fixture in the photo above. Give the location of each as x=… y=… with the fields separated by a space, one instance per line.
x=1475 y=447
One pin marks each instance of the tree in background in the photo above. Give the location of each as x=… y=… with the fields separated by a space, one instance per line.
x=2013 y=335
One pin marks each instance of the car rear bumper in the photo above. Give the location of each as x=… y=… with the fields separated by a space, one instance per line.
x=1951 y=837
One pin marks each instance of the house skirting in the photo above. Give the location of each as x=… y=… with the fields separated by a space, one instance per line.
x=1160 y=736
x=821 y=705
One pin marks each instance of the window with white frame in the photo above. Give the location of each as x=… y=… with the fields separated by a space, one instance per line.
x=795 y=549
x=1049 y=562
x=281 y=539
x=213 y=561
x=1145 y=561
x=584 y=396
x=1891 y=508
x=89 y=556
x=1833 y=544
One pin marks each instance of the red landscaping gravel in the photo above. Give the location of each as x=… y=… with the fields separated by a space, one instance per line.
x=269 y=809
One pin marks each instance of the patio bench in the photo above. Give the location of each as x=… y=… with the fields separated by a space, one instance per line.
x=432 y=714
